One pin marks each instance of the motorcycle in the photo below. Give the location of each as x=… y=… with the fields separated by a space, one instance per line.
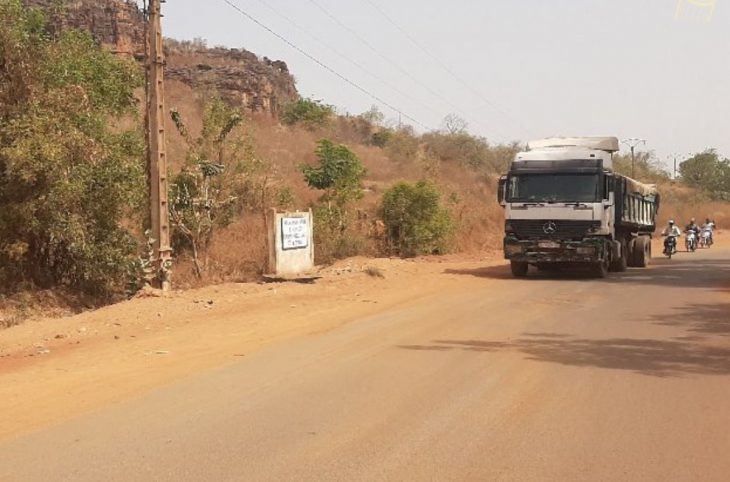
x=670 y=246
x=690 y=241
x=706 y=238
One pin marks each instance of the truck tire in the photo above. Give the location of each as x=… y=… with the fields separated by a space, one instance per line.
x=619 y=264
x=600 y=270
x=631 y=253
x=519 y=268
x=642 y=251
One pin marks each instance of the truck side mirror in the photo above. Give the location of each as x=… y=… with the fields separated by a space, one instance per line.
x=502 y=191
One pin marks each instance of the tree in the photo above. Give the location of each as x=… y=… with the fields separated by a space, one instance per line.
x=215 y=181
x=706 y=171
x=339 y=174
x=415 y=221
x=453 y=124
x=67 y=181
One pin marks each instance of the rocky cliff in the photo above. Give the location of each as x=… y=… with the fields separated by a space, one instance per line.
x=237 y=74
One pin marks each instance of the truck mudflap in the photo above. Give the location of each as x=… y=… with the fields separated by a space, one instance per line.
x=590 y=250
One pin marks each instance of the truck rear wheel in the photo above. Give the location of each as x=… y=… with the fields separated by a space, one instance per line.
x=519 y=269
x=642 y=252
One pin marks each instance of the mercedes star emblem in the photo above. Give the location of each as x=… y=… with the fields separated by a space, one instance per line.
x=550 y=227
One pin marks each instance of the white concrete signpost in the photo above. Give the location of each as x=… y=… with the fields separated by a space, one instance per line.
x=291 y=244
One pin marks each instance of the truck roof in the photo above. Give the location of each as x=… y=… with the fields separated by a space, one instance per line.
x=606 y=144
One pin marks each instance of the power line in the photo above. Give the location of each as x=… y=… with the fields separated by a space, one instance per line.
x=345 y=57
x=322 y=64
x=441 y=64
x=400 y=68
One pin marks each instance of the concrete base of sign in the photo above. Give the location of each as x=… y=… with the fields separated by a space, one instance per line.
x=294 y=278
x=291 y=244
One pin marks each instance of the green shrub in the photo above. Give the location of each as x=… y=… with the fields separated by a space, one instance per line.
x=415 y=220
x=310 y=113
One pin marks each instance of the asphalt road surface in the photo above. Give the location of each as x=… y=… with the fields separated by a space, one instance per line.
x=548 y=378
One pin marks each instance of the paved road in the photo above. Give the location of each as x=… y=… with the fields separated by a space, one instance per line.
x=538 y=379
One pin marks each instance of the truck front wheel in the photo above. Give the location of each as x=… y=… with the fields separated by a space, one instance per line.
x=620 y=264
x=519 y=269
x=600 y=270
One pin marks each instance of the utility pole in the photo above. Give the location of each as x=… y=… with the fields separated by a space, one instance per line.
x=159 y=215
x=674 y=157
x=632 y=143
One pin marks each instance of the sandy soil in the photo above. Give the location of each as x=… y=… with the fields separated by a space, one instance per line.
x=54 y=369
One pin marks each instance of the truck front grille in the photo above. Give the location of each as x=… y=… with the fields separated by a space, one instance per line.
x=550 y=229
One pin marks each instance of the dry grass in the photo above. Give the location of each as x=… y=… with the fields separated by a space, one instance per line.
x=682 y=204
x=374 y=272
x=35 y=303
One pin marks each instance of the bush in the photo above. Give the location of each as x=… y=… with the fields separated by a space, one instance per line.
x=402 y=144
x=67 y=181
x=459 y=147
x=415 y=221
x=310 y=113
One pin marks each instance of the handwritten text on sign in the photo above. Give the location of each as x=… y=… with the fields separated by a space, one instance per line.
x=294 y=233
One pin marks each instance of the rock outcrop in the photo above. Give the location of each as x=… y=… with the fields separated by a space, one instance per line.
x=116 y=24
x=239 y=76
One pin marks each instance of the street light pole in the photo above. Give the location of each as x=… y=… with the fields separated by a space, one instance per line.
x=674 y=157
x=632 y=143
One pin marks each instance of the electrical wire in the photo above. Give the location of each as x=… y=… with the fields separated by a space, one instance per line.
x=347 y=58
x=445 y=67
x=396 y=65
x=323 y=65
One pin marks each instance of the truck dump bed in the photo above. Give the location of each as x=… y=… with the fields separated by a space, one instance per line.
x=637 y=204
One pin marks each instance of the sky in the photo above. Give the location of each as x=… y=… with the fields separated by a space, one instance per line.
x=658 y=70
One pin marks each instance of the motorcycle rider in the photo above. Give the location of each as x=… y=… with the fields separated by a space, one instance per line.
x=671 y=233
x=693 y=228
x=709 y=226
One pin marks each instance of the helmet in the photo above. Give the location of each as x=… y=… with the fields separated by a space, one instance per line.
x=671 y=221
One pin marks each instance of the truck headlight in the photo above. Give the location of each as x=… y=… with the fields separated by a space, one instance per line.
x=586 y=250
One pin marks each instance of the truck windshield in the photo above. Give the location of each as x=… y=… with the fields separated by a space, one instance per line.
x=552 y=188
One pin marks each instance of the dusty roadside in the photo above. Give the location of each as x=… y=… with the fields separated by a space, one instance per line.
x=54 y=369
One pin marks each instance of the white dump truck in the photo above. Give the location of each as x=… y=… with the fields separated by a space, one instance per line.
x=566 y=207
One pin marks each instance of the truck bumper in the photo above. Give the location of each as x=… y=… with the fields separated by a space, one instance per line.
x=591 y=250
